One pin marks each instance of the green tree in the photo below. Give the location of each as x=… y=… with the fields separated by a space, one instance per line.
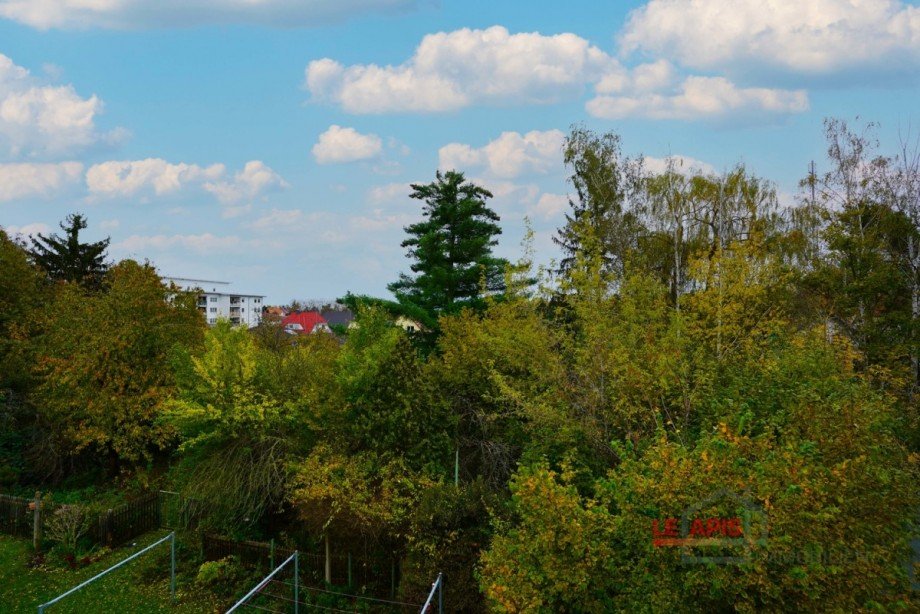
x=66 y=258
x=238 y=422
x=104 y=365
x=600 y=176
x=24 y=293
x=451 y=248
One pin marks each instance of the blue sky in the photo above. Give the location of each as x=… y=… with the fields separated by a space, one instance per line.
x=270 y=142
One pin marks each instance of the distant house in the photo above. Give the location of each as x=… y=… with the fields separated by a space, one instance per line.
x=215 y=301
x=408 y=325
x=339 y=317
x=305 y=323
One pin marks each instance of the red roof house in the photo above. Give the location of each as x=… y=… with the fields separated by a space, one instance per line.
x=304 y=323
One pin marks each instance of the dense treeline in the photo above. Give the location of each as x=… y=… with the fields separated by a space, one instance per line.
x=698 y=347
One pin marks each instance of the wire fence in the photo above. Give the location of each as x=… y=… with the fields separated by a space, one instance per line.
x=373 y=576
x=285 y=591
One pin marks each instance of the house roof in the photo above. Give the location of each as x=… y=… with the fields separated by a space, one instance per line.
x=303 y=321
x=338 y=316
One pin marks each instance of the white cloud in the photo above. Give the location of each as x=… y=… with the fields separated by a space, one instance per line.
x=701 y=98
x=27 y=230
x=338 y=144
x=131 y=14
x=109 y=224
x=20 y=181
x=549 y=206
x=682 y=164
x=508 y=156
x=39 y=120
x=452 y=70
x=157 y=177
x=813 y=37
x=254 y=181
x=647 y=77
x=122 y=178
x=388 y=193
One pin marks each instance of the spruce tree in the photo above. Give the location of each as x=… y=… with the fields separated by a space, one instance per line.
x=66 y=258
x=451 y=248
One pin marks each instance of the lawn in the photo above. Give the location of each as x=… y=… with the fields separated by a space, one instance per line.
x=141 y=586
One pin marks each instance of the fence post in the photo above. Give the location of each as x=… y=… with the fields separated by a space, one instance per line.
x=349 y=568
x=271 y=555
x=328 y=561
x=172 y=566
x=109 y=521
x=440 y=593
x=296 y=582
x=37 y=522
x=392 y=578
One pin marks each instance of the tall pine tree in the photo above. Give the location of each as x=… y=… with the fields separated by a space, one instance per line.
x=66 y=258
x=451 y=248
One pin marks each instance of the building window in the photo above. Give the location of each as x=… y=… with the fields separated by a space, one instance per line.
x=242 y=309
x=212 y=321
x=213 y=309
x=213 y=299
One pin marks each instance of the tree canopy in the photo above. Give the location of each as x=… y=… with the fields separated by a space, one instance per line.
x=451 y=248
x=67 y=258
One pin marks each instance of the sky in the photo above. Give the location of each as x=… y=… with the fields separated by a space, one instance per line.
x=271 y=143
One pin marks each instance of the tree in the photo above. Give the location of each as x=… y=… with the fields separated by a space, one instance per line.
x=22 y=293
x=601 y=178
x=66 y=258
x=104 y=365
x=451 y=248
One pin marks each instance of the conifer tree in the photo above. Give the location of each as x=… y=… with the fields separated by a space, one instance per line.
x=451 y=248
x=66 y=258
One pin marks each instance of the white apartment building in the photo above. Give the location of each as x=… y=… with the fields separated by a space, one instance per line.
x=215 y=300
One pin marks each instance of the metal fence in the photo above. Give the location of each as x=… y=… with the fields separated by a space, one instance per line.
x=111 y=527
x=374 y=575
x=16 y=516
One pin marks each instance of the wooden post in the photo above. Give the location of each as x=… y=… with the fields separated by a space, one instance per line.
x=109 y=537
x=37 y=521
x=328 y=561
x=349 y=568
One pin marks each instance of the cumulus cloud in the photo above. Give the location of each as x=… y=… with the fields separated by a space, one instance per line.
x=815 y=37
x=39 y=120
x=388 y=193
x=27 y=230
x=549 y=206
x=157 y=177
x=254 y=181
x=682 y=164
x=133 y=14
x=20 y=181
x=701 y=98
x=452 y=70
x=338 y=144
x=131 y=177
x=510 y=155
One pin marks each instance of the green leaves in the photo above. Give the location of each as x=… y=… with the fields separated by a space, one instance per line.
x=451 y=249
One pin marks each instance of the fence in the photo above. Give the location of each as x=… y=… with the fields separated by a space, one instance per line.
x=378 y=576
x=111 y=527
x=118 y=525
x=16 y=516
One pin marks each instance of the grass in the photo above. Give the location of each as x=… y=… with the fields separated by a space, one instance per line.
x=141 y=586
